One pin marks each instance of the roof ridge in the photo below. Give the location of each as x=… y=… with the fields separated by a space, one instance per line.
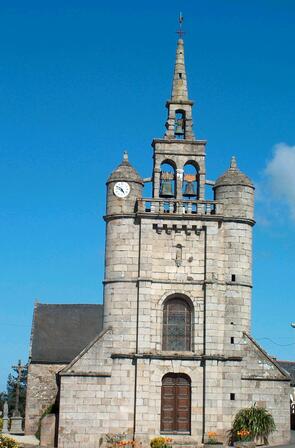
x=68 y=304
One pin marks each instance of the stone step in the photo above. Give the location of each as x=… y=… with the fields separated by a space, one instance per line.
x=185 y=445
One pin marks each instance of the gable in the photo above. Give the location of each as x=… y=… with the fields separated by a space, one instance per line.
x=258 y=364
x=94 y=358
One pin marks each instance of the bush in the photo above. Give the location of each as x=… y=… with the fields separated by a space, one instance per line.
x=1 y=423
x=7 y=442
x=115 y=438
x=161 y=442
x=256 y=420
x=119 y=440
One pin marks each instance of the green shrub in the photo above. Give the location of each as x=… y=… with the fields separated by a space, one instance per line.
x=161 y=442
x=1 y=423
x=7 y=442
x=115 y=438
x=257 y=420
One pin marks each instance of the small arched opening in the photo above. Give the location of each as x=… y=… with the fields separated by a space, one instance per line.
x=179 y=125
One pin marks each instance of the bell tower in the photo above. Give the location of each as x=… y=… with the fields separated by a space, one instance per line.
x=179 y=159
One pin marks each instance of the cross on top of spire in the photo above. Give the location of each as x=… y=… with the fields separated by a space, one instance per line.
x=180 y=31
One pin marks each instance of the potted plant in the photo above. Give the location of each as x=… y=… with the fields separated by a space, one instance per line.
x=250 y=425
x=212 y=439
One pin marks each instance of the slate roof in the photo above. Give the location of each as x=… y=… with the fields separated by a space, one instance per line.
x=125 y=171
x=60 y=332
x=289 y=366
x=233 y=176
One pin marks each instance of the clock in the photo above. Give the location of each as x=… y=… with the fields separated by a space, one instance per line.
x=121 y=189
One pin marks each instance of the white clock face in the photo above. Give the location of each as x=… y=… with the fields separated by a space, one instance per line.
x=121 y=189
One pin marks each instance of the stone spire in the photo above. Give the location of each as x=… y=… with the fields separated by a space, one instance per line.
x=179 y=87
x=179 y=123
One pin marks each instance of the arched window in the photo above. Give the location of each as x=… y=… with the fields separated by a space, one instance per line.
x=190 y=181
x=176 y=404
x=179 y=126
x=177 y=325
x=167 y=180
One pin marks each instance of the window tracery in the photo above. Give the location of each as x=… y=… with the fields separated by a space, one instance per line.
x=177 y=322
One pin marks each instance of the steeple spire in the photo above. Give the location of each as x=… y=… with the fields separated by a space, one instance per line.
x=179 y=87
x=179 y=123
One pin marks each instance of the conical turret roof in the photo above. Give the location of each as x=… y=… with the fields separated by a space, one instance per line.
x=125 y=171
x=233 y=176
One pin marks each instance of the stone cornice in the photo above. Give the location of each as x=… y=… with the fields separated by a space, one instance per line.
x=93 y=374
x=257 y=378
x=179 y=102
x=108 y=218
x=182 y=217
x=184 y=141
x=176 y=356
x=175 y=282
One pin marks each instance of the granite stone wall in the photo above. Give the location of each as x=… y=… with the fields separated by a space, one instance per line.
x=103 y=401
x=41 y=393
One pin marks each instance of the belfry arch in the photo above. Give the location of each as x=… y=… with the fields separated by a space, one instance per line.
x=167 y=179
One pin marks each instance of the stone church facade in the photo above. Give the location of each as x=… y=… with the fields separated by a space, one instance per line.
x=175 y=355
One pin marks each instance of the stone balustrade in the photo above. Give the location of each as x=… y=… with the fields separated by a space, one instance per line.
x=179 y=207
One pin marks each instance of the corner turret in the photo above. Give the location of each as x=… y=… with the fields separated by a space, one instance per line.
x=236 y=192
x=124 y=187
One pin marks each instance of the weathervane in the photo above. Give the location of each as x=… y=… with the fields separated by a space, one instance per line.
x=180 y=32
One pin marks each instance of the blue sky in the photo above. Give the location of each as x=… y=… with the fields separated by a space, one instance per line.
x=81 y=81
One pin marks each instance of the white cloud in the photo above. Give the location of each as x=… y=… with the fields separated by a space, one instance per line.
x=280 y=173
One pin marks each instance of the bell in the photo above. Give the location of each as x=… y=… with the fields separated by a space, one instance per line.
x=179 y=130
x=166 y=189
x=189 y=189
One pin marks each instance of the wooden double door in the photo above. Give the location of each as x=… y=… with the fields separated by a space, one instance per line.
x=176 y=404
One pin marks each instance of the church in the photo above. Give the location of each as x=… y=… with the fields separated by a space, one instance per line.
x=170 y=351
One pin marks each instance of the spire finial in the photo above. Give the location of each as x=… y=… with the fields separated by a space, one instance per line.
x=233 y=162
x=125 y=156
x=180 y=32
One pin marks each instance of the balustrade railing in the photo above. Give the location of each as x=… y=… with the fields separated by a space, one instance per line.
x=179 y=207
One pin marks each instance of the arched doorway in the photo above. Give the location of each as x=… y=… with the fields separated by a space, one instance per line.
x=176 y=404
